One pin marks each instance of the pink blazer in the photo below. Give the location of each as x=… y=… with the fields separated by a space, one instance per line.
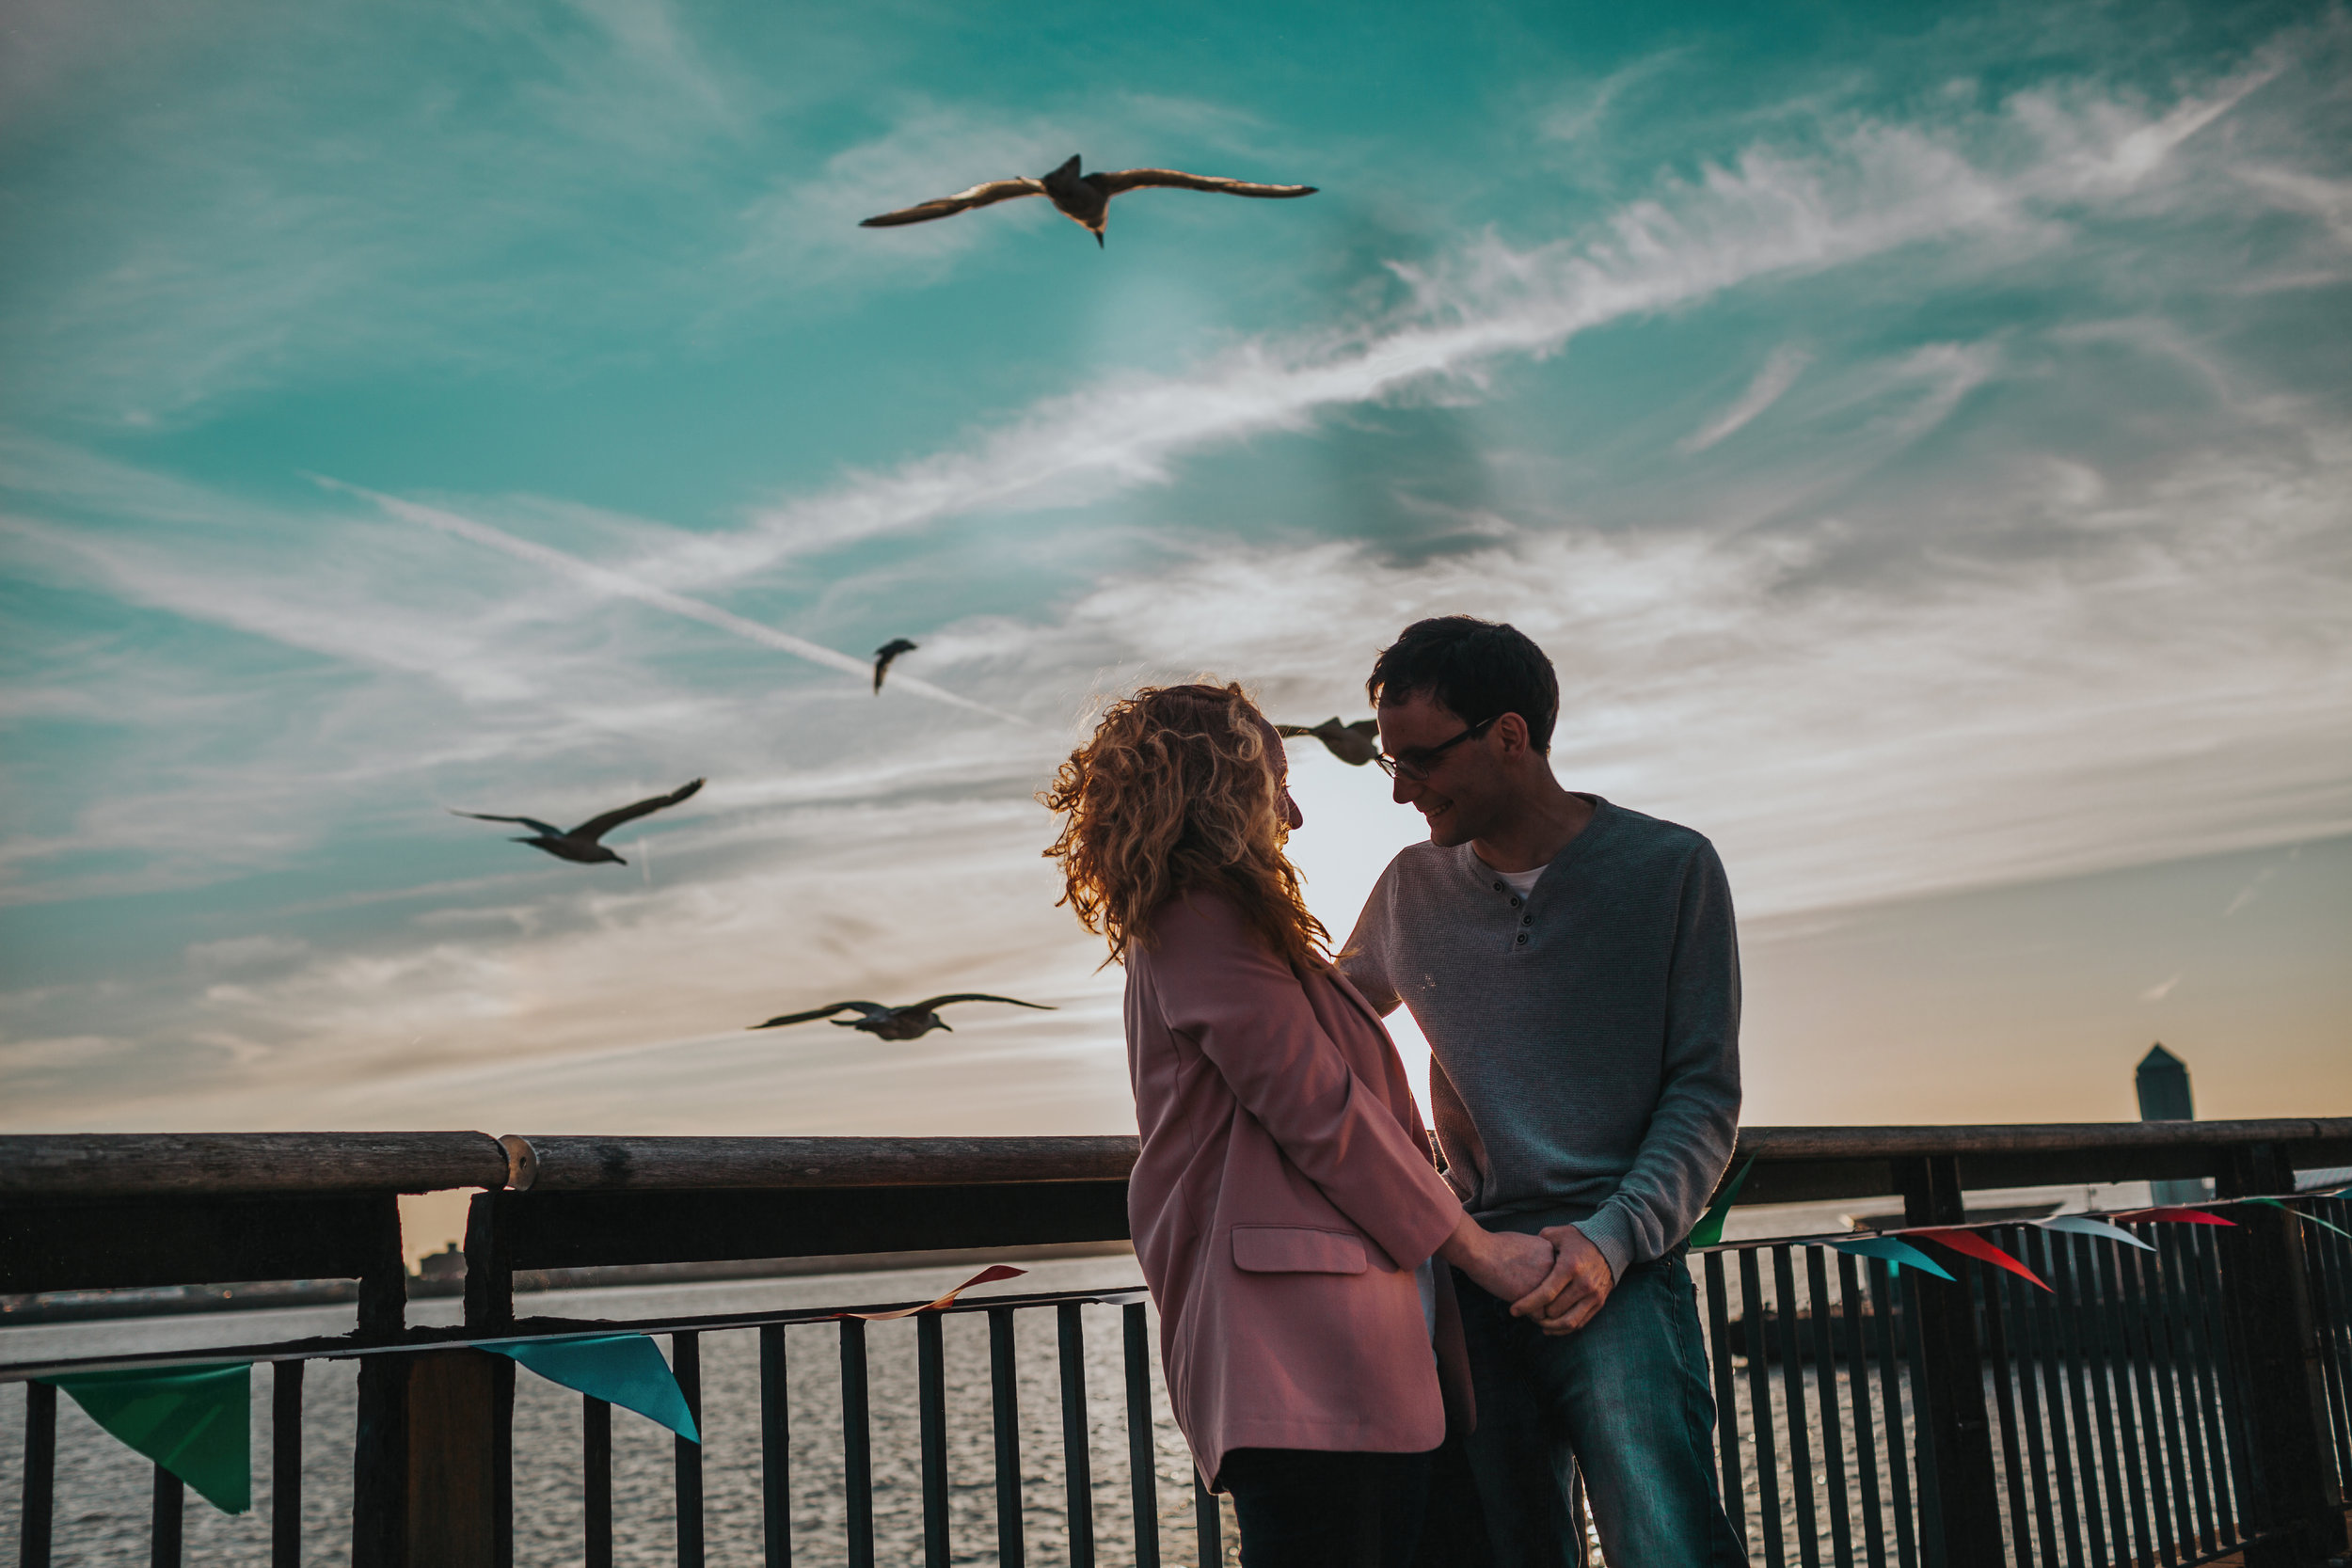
x=1284 y=1197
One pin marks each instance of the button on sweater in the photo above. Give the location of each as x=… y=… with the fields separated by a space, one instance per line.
x=1586 y=1040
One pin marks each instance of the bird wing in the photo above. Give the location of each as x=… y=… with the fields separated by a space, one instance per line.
x=532 y=822
x=1368 y=728
x=985 y=195
x=868 y=1009
x=596 y=826
x=1292 y=730
x=1116 y=181
x=934 y=1003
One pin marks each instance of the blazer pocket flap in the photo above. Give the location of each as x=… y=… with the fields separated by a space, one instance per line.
x=1297 y=1249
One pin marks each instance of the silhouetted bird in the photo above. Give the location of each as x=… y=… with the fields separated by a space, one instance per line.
x=1084 y=200
x=580 y=844
x=912 y=1021
x=887 y=654
x=1352 y=744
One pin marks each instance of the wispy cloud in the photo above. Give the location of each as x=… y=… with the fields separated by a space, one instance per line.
x=1779 y=374
x=621 y=585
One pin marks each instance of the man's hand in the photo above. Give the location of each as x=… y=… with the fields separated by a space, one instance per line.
x=1578 y=1282
x=1503 y=1263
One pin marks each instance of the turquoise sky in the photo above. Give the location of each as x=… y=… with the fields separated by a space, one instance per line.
x=1918 y=437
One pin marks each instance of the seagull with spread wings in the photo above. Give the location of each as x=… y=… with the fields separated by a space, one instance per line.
x=580 y=844
x=1352 y=744
x=1084 y=200
x=910 y=1022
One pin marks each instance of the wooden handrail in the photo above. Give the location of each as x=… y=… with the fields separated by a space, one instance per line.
x=53 y=1165
x=128 y=1165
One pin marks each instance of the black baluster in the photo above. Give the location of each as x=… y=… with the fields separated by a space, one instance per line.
x=2019 y=1302
x=775 y=1447
x=1933 y=1536
x=1758 y=1334
x=40 y=1475
x=2228 y=1375
x=1792 y=1402
x=2332 y=1318
x=686 y=1362
x=2148 y=1289
x=2066 y=1321
x=1825 y=1392
x=285 y=1464
x=1207 y=1527
x=1077 y=1461
x=932 y=1424
x=1884 y=1295
x=1142 y=1453
x=2116 y=1330
x=2013 y=1459
x=1865 y=1426
x=1005 y=1401
x=2090 y=1325
x=2182 y=1341
x=170 y=1513
x=596 y=1472
x=1726 y=1397
x=857 y=1443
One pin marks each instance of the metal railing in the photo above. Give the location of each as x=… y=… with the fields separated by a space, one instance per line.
x=2153 y=1407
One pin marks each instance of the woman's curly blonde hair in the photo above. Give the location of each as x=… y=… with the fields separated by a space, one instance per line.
x=1172 y=794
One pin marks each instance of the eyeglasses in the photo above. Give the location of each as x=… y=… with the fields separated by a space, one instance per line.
x=1415 y=764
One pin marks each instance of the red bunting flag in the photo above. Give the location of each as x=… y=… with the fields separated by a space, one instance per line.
x=989 y=1276
x=2184 y=1216
x=1968 y=1242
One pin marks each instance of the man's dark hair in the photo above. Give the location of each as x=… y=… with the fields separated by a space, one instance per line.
x=1478 y=670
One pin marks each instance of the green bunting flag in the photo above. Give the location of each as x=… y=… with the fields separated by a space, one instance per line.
x=1895 y=1252
x=1709 y=1230
x=195 y=1421
x=2307 y=1219
x=625 y=1370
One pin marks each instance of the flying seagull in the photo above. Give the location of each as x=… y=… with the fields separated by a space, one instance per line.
x=1352 y=744
x=1084 y=200
x=912 y=1021
x=887 y=654
x=580 y=844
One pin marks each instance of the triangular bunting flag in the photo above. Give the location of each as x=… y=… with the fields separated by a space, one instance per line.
x=989 y=1276
x=625 y=1370
x=2086 y=1224
x=1894 y=1251
x=1968 y=1242
x=1709 y=1231
x=2178 y=1215
x=2307 y=1219
x=195 y=1421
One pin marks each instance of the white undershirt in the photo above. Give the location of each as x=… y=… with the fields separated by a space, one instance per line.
x=1521 y=882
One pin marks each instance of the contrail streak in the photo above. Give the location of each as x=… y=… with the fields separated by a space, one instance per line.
x=624 y=586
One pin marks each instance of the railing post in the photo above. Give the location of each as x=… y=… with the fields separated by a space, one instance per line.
x=379 y=1460
x=1964 y=1531
x=460 y=1413
x=2266 y=1303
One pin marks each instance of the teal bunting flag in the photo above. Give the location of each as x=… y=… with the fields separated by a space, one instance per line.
x=625 y=1370
x=195 y=1421
x=2307 y=1219
x=1893 y=1251
x=1709 y=1230
x=2086 y=1224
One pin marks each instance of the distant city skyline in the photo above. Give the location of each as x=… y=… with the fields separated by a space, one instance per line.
x=1921 y=443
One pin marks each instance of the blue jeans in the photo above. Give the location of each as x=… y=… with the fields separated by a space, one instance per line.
x=1625 y=1398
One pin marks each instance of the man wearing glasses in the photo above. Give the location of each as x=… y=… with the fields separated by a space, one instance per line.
x=1575 y=967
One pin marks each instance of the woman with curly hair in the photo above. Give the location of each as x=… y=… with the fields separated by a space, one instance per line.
x=1284 y=1206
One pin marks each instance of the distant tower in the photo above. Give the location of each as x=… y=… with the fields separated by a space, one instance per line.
x=2163 y=1083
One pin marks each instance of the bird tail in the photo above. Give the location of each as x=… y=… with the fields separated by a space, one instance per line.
x=1098 y=239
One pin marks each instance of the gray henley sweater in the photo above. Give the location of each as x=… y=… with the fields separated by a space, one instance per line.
x=1587 y=1045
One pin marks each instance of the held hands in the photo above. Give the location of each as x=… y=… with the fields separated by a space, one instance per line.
x=1503 y=1263
x=1578 y=1282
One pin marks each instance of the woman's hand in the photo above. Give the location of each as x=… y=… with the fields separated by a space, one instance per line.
x=1503 y=1263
